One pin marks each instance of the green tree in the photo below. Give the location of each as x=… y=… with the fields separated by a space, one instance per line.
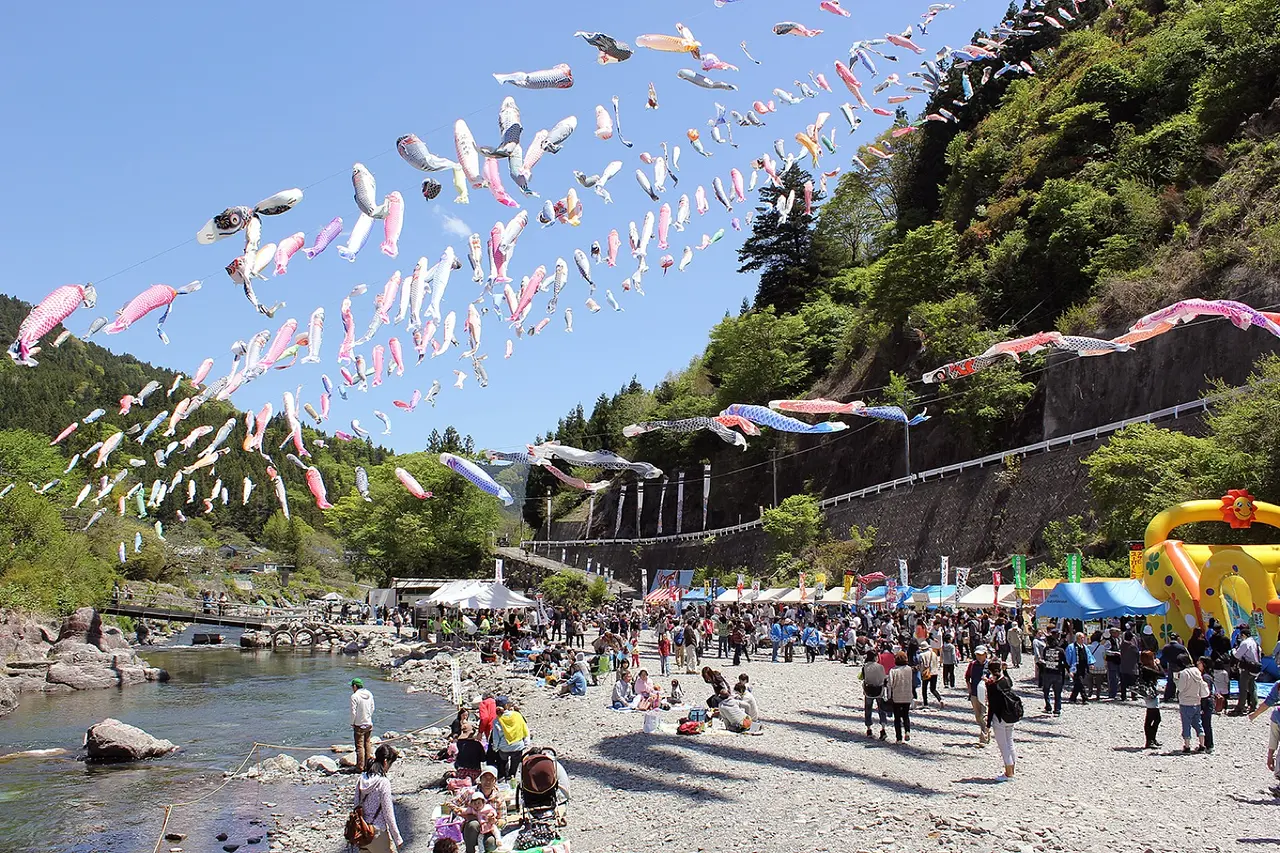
x=447 y=535
x=921 y=268
x=1144 y=470
x=793 y=525
x=566 y=589
x=783 y=253
x=757 y=356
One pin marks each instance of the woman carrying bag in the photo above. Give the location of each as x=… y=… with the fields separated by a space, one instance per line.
x=371 y=826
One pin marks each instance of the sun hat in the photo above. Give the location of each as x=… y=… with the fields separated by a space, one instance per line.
x=980 y=650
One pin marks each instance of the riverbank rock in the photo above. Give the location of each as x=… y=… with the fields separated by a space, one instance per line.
x=322 y=764
x=8 y=699
x=112 y=742
x=280 y=764
x=255 y=640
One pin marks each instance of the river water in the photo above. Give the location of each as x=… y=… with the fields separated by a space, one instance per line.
x=216 y=705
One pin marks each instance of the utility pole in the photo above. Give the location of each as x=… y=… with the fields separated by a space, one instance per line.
x=773 y=452
x=548 y=522
x=907 y=451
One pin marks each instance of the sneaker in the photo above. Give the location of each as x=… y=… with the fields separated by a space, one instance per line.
x=1186 y=750
x=1003 y=778
x=1156 y=743
x=1057 y=713
x=1198 y=749
x=908 y=738
x=883 y=735
x=868 y=731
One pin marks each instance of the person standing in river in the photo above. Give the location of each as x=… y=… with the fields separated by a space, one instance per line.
x=361 y=722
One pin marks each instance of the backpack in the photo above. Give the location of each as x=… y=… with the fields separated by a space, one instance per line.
x=1012 y=710
x=689 y=727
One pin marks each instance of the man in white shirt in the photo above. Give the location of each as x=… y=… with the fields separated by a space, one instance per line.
x=362 y=722
x=1249 y=656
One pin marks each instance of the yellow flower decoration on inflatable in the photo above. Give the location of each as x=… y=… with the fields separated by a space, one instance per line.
x=1238 y=509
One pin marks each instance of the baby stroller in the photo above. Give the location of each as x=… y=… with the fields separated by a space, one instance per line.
x=540 y=798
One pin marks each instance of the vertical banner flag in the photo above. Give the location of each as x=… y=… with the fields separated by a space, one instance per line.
x=662 y=502
x=739 y=586
x=639 y=506
x=497 y=570
x=962 y=580
x=644 y=581
x=1019 y=564
x=946 y=570
x=995 y=592
x=755 y=587
x=891 y=593
x=679 y=501
x=706 y=493
x=1073 y=568
x=802 y=589
x=591 y=511
x=622 y=501
x=902 y=574
x=1136 y=552
x=848 y=582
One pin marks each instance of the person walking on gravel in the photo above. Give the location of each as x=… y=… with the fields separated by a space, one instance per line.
x=901 y=687
x=1004 y=709
x=973 y=677
x=873 y=694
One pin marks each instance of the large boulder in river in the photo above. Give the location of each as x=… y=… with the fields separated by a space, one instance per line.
x=85 y=626
x=111 y=742
x=83 y=676
x=8 y=699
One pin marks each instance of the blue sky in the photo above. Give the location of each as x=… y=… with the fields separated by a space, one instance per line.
x=130 y=125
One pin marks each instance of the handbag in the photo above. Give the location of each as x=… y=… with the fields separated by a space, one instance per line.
x=359 y=832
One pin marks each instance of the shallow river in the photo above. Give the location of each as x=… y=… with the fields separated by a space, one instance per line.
x=216 y=705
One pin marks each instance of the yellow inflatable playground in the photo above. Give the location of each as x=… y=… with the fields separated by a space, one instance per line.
x=1230 y=583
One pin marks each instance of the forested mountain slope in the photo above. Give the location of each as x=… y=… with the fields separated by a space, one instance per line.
x=56 y=560
x=1139 y=165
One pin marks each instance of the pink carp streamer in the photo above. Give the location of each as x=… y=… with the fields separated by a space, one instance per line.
x=316 y=484
x=411 y=485
x=155 y=296
x=52 y=310
x=393 y=224
x=819 y=406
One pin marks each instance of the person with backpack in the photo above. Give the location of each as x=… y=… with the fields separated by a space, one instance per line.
x=1004 y=710
x=1053 y=670
x=873 y=680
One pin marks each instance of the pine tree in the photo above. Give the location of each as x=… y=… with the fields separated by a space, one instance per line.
x=783 y=254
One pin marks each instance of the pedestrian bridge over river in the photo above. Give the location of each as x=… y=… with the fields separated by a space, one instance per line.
x=194 y=611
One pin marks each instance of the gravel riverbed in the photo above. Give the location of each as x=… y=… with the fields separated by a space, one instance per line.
x=813 y=782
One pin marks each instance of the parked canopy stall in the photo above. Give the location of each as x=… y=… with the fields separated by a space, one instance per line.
x=987 y=595
x=1090 y=601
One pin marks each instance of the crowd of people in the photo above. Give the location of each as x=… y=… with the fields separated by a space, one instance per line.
x=904 y=660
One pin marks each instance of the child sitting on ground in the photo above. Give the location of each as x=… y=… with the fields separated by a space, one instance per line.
x=677 y=692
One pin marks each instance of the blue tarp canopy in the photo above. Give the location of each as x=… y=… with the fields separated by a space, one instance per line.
x=698 y=594
x=877 y=596
x=1088 y=601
